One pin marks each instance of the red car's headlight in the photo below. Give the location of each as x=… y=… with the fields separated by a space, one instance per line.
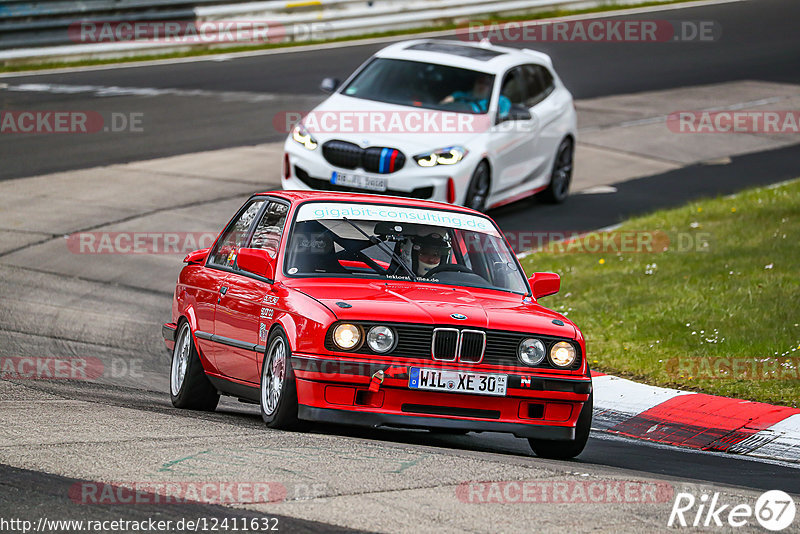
x=347 y=336
x=381 y=339
x=562 y=354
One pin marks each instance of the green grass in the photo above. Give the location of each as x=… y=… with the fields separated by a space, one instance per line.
x=738 y=297
x=26 y=65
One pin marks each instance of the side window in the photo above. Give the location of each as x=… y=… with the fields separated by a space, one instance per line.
x=514 y=86
x=267 y=235
x=224 y=253
x=539 y=83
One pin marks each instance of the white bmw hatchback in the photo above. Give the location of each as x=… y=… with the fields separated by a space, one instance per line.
x=465 y=123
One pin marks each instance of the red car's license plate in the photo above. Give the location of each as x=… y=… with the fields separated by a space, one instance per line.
x=457 y=381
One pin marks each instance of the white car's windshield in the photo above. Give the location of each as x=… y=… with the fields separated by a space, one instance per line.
x=423 y=85
x=403 y=243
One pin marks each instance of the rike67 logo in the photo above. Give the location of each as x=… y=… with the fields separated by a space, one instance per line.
x=774 y=510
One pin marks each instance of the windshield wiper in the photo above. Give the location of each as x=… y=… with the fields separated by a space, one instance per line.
x=381 y=245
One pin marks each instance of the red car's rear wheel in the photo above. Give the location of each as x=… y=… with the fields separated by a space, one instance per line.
x=189 y=386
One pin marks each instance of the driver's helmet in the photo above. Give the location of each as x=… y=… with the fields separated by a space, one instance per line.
x=428 y=252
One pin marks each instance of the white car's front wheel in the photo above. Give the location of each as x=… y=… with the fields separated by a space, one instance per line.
x=478 y=190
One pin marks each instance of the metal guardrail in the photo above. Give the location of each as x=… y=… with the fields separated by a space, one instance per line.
x=31 y=31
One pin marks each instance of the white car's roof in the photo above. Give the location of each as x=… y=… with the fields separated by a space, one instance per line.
x=482 y=57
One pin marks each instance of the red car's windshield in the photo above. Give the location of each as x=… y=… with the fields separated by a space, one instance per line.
x=403 y=243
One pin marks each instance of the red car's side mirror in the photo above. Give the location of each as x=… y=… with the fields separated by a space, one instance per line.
x=198 y=257
x=256 y=261
x=544 y=284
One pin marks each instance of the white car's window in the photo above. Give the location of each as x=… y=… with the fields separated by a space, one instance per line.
x=539 y=83
x=423 y=85
x=514 y=86
x=402 y=243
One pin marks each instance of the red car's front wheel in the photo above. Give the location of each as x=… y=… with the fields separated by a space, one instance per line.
x=564 y=450
x=278 y=387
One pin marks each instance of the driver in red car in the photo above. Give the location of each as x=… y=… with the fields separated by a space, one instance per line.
x=428 y=252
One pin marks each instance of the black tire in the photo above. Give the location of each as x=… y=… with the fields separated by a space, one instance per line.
x=280 y=409
x=561 y=177
x=478 y=190
x=194 y=391
x=564 y=450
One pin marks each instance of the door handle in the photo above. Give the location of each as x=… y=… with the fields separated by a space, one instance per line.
x=223 y=290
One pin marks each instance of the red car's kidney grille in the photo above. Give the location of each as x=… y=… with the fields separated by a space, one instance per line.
x=473 y=343
x=445 y=344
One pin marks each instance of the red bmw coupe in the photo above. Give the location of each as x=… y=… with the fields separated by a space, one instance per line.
x=377 y=311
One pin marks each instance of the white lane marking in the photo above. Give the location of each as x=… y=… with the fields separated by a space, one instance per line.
x=356 y=42
x=105 y=91
x=767 y=187
x=597 y=190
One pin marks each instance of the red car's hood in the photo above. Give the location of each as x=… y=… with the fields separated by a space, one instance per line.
x=404 y=302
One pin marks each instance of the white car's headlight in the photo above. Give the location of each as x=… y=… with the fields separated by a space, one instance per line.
x=444 y=156
x=562 y=354
x=301 y=135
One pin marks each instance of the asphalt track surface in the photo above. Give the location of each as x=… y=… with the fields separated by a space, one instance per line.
x=759 y=42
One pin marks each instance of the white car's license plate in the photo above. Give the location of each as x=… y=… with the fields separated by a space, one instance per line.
x=359 y=181
x=457 y=381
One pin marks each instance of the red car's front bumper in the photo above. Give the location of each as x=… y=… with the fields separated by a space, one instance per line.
x=535 y=406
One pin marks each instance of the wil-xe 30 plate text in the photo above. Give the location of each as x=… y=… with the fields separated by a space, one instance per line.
x=457 y=381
